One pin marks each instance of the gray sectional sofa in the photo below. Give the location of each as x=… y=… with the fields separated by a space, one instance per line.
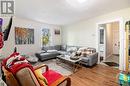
x=51 y=52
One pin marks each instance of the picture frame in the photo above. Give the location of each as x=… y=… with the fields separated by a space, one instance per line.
x=57 y=32
x=24 y=35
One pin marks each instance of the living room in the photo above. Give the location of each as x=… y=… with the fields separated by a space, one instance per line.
x=73 y=27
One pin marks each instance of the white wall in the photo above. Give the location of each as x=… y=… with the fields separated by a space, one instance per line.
x=29 y=48
x=85 y=32
x=81 y=34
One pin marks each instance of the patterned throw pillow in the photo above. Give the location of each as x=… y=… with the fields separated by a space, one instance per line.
x=41 y=78
x=86 y=52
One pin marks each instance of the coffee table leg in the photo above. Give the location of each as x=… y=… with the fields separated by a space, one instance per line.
x=76 y=66
x=57 y=61
x=73 y=68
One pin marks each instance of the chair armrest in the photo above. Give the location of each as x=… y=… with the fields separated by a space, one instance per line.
x=61 y=81
x=39 y=67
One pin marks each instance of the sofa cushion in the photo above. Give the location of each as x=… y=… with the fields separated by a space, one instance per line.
x=44 y=54
x=47 y=55
x=62 y=52
x=51 y=51
x=84 y=59
x=49 y=74
x=41 y=51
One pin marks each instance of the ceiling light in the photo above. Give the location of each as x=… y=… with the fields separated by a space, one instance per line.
x=81 y=1
x=77 y=3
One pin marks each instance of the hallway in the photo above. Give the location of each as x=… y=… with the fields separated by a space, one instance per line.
x=113 y=58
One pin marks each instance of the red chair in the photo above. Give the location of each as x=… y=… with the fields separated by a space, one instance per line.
x=18 y=72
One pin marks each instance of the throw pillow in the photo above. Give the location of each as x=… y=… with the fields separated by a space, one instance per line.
x=92 y=50
x=72 y=49
x=84 y=54
x=63 y=47
x=73 y=54
x=78 y=53
x=82 y=49
x=41 y=78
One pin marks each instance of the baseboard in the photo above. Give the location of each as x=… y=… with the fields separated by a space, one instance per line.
x=116 y=54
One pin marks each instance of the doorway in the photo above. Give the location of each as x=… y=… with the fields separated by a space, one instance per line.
x=109 y=44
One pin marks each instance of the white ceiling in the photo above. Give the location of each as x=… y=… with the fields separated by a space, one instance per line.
x=64 y=12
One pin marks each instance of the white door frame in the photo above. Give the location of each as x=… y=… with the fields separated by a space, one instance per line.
x=121 y=38
x=104 y=53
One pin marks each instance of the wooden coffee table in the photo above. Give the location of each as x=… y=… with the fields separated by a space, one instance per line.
x=66 y=59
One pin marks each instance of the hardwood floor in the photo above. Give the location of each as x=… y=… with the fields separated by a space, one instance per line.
x=99 y=75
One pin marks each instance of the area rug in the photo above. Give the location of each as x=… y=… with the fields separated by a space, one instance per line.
x=63 y=69
x=113 y=64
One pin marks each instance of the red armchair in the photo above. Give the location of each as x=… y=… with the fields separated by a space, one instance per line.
x=23 y=74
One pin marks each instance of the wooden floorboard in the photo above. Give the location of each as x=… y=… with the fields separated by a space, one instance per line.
x=98 y=75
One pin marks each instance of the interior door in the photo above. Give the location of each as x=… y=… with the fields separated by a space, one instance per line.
x=116 y=43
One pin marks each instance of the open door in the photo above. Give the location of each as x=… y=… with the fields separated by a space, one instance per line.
x=116 y=43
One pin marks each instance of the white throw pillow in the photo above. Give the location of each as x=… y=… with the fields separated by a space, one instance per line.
x=72 y=49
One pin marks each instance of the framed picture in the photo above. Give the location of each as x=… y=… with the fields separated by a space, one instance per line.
x=45 y=36
x=24 y=36
x=57 y=32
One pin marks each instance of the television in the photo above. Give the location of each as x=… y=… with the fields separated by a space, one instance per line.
x=7 y=30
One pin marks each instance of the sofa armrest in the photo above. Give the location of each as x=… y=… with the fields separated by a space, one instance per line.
x=93 y=58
